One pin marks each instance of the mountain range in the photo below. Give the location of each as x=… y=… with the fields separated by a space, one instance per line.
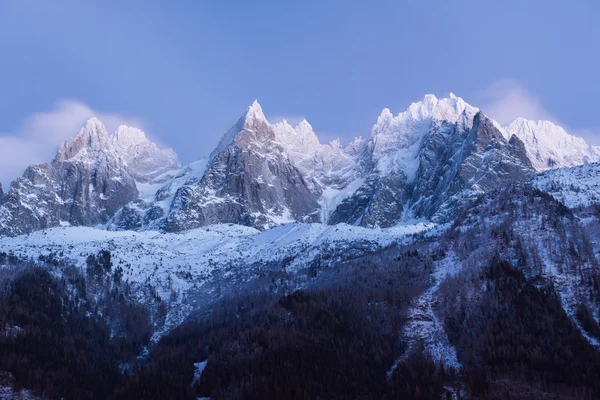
x=441 y=255
x=423 y=164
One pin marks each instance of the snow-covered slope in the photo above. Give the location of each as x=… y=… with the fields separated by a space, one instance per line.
x=550 y=146
x=574 y=187
x=150 y=209
x=190 y=264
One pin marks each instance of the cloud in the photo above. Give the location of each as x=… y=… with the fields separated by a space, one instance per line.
x=505 y=100
x=40 y=134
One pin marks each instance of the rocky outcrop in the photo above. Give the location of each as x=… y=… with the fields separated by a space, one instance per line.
x=250 y=180
x=87 y=183
x=460 y=162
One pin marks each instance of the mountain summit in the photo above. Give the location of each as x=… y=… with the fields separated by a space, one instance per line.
x=423 y=163
x=91 y=178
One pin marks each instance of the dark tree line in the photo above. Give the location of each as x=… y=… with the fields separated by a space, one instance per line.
x=510 y=334
x=336 y=339
x=55 y=340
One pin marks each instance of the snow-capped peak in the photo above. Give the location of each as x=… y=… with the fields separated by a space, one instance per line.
x=446 y=109
x=129 y=136
x=299 y=139
x=550 y=146
x=430 y=108
x=252 y=120
x=93 y=124
x=143 y=157
x=397 y=139
x=128 y=145
x=93 y=136
x=254 y=113
x=304 y=126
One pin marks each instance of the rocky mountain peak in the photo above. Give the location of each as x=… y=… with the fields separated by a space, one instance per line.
x=93 y=137
x=254 y=115
x=424 y=162
x=143 y=158
x=129 y=136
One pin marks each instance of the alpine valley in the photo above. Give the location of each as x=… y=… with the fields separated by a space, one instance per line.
x=441 y=256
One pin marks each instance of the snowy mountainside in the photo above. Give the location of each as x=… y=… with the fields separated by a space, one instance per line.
x=191 y=264
x=455 y=161
x=538 y=235
x=438 y=195
x=149 y=210
x=574 y=187
x=397 y=139
x=142 y=158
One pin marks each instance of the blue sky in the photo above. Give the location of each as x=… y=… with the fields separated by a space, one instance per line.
x=186 y=70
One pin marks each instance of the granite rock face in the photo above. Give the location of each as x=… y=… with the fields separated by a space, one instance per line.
x=460 y=162
x=249 y=180
x=456 y=160
x=86 y=184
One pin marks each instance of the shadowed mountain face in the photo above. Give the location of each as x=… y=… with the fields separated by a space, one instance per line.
x=250 y=180
x=424 y=163
x=456 y=162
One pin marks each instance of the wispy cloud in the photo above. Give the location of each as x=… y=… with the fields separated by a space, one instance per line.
x=506 y=99
x=40 y=134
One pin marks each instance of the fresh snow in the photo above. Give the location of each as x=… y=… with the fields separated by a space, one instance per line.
x=183 y=263
x=397 y=140
x=198 y=369
x=423 y=325
x=574 y=187
x=550 y=146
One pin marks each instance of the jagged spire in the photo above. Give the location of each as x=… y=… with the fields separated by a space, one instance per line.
x=255 y=112
x=93 y=136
